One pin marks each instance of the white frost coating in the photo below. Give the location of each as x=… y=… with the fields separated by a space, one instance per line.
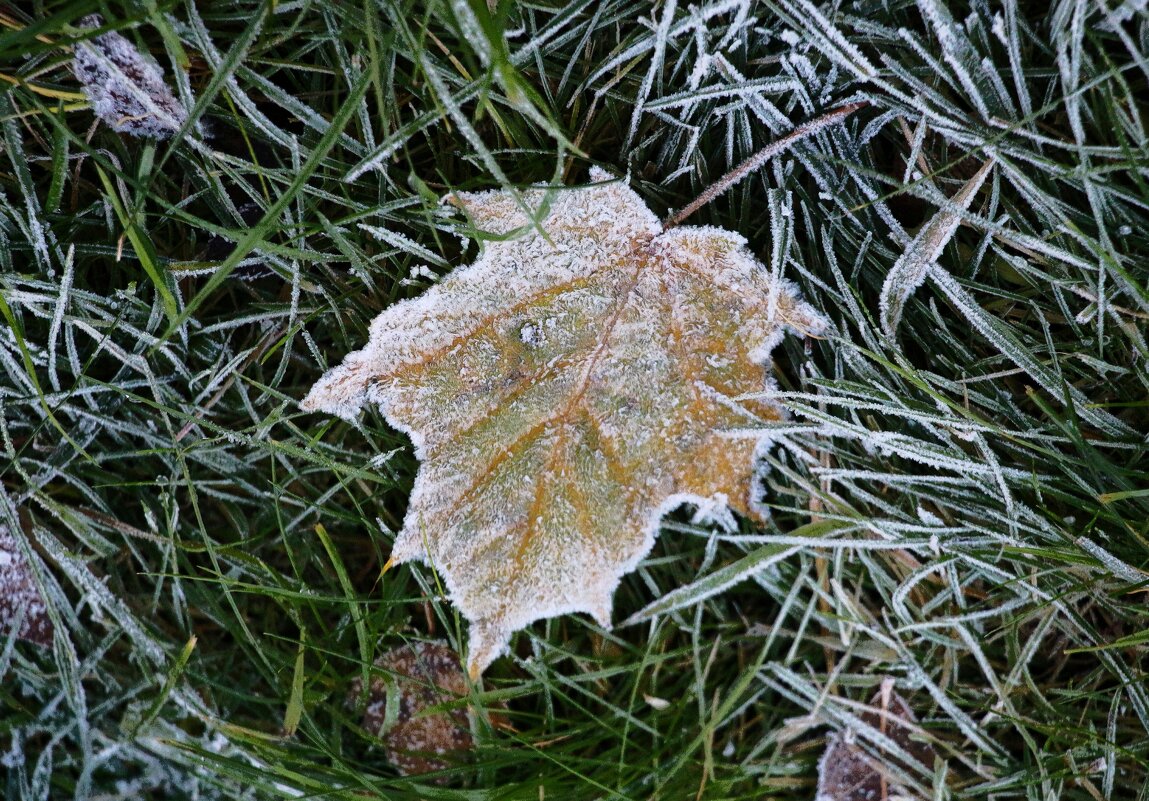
x=911 y=268
x=1110 y=562
x=1123 y=13
x=955 y=48
x=998 y=28
x=126 y=87
x=928 y=517
x=565 y=392
x=830 y=41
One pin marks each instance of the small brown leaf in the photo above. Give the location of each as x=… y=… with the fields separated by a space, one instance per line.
x=848 y=773
x=564 y=392
x=20 y=598
x=126 y=88
x=424 y=674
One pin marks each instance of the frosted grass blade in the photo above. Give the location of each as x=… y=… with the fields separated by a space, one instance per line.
x=911 y=268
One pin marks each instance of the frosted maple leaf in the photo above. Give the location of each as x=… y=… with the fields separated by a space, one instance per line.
x=564 y=392
x=126 y=87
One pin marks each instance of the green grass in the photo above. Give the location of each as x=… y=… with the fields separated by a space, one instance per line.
x=166 y=305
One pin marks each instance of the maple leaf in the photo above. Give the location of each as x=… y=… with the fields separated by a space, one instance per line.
x=564 y=392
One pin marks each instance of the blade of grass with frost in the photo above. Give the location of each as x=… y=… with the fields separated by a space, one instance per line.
x=827 y=38
x=224 y=70
x=474 y=88
x=756 y=161
x=33 y=222
x=142 y=246
x=253 y=236
x=294 y=711
x=661 y=33
x=480 y=29
x=31 y=378
x=740 y=695
x=403 y=243
x=732 y=574
x=1003 y=338
x=99 y=598
x=442 y=92
x=958 y=53
x=910 y=270
x=364 y=641
x=701 y=16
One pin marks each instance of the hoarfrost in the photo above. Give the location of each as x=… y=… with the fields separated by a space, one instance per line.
x=562 y=390
x=126 y=87
x=928 y=517
x=998 y=28
x=1123 y=13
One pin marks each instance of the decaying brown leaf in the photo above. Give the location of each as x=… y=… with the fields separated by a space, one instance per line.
x=126 y=87
x=423 y=675
x=20 y=599
x=564 y=392
x=848 y=773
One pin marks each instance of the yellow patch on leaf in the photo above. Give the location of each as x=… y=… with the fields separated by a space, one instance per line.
x=564 y=392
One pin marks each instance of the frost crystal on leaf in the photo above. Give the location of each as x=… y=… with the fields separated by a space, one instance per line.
x=847 y=773
x=20 y=600
x=423 y=675
x=563 y=393
x=126 y=88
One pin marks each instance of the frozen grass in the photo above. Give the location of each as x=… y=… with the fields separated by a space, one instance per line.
x=960 y=495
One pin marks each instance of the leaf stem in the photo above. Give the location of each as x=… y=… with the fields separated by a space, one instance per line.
x=761 y=157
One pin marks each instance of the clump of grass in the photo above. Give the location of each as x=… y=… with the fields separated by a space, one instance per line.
x=959 y=502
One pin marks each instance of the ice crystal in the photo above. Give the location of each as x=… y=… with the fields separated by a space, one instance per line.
x=564 y=392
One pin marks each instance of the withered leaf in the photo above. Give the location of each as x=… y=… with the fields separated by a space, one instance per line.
x=848 y=773
x=20 y=598
x=423 y=675
x=564 y=392
x=126 y=87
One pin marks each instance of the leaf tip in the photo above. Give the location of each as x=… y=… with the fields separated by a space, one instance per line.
x=601 y=613
x=341 y=391
x=488 y=641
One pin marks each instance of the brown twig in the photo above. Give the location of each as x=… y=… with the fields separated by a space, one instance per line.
x=761 y=157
